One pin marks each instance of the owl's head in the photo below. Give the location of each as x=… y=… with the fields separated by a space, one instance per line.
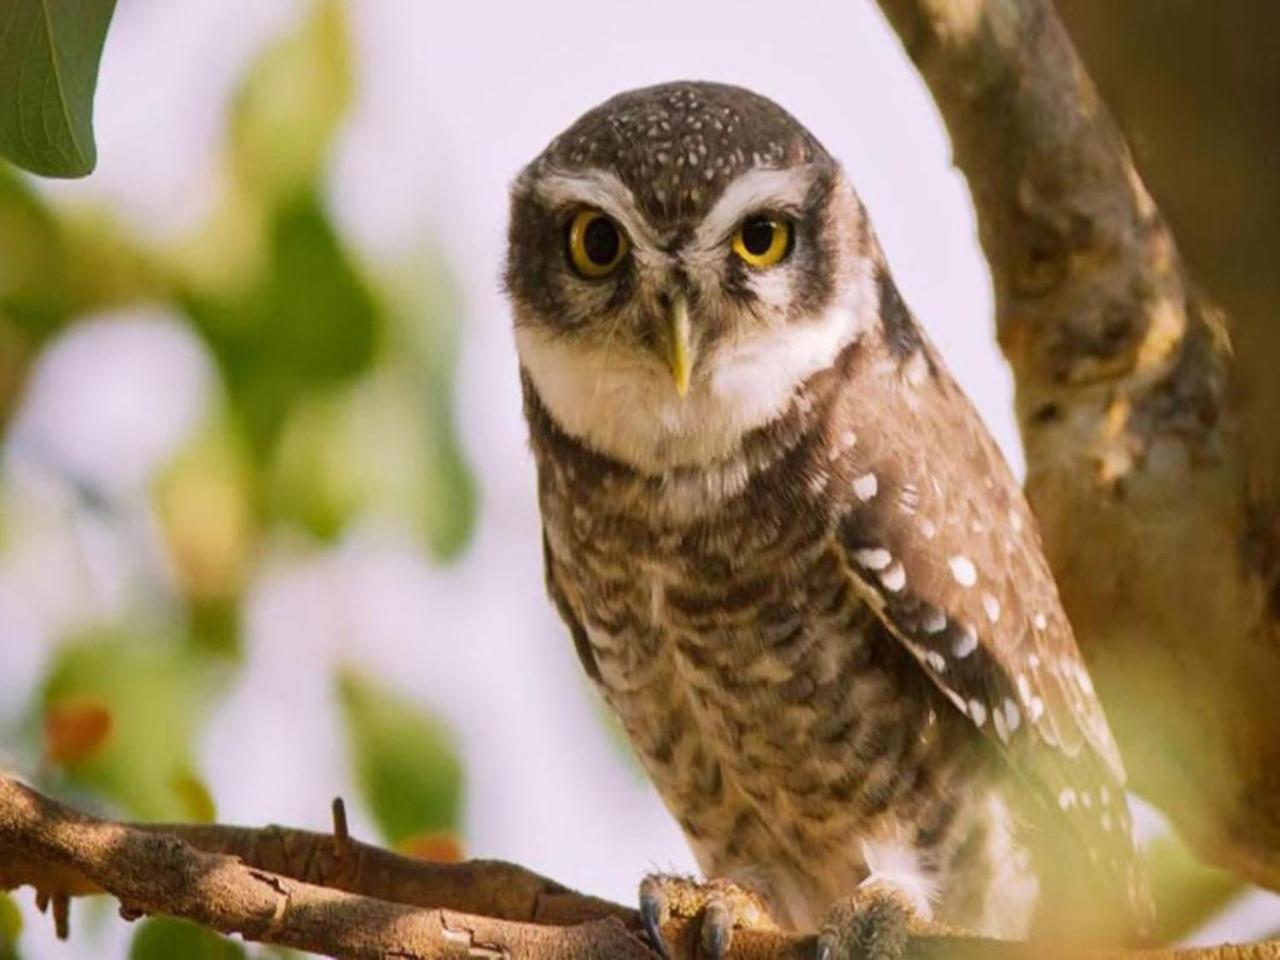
x=681 y=260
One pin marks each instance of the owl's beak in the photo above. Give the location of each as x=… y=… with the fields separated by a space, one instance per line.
x=679 y=346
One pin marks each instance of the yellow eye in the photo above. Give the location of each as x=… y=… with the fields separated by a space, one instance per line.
x=596 y=245
x=762 y=241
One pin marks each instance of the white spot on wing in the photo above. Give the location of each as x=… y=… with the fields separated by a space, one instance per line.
x=1039 y=621
x=928 y=529
x=1083 y=678
x=865 y=487
x=992 y=606
x=844 y=442
x=895 y=578
x=936 y=660
x=917 y=369
x=963 y=570
x=1012 y=717
x=978 y=712
x=965 y=643
x=935 y=621
x=1067 y=798
x=873 y=558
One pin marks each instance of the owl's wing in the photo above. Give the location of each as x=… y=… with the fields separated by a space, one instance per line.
x=561 y=600
x=939 y=539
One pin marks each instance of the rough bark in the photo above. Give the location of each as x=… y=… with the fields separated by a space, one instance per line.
x=329 y=894
x=1145 y=483
x=1193 y=86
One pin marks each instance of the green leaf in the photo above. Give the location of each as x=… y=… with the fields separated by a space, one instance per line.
x=33 y=259
x=164 y=938
x=318 y=481
x=291 y=105
x=156 y=695
x=406 y=761
x=49 y=53
x=317 y=314
x=1187 y=893
x=203 y=500
x=309 y=322
x=10 y=926
x=424 y=314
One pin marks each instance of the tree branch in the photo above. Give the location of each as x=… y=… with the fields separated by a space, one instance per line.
x=1136 y=467
x=335 y=896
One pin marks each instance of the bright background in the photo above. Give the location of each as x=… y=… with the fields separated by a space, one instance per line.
x=382 y=526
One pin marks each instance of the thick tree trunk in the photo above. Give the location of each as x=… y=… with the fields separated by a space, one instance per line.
x=1149 y=476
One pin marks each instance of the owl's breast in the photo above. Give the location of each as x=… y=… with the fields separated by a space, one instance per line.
x=733 y=645
x=780 y=721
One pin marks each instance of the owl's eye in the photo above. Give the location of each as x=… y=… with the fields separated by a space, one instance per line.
x=596 y=245
x=762 y=241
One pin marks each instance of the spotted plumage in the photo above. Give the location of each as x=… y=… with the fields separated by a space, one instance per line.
x=789 y=554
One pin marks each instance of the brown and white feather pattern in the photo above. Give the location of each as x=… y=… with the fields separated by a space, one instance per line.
x=810 y=588
x=803 y=657
x=942 y=544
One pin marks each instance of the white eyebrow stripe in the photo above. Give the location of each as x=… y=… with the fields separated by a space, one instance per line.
x=759 y=189
x=600 y=189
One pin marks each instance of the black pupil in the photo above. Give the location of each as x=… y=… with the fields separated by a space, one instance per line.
x=600 y=242
x=757 y=235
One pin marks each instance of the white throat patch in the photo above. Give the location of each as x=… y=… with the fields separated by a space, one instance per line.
x=625 y=405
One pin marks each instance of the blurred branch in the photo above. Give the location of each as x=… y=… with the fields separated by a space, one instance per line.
x=329 y=894
x=1137 y=468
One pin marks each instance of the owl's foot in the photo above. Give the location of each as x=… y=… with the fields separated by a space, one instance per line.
x=719 y=906
x=873 y=924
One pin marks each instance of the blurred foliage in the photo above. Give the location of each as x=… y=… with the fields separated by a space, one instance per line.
x=49 y=53
x=290 y=108
x=153 y=696
x=33 y=258
x=10 y=927
x=308 y=321
x=163 y=938
x=406 y=766
x=334 y=404
x=1186 y=892
x=203 y=500
x=33 y=281
x=75 y=728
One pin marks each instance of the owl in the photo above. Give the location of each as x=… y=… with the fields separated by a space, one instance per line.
x=790 y=556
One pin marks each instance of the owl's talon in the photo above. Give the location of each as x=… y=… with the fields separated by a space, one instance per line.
x=873 y=924
x=716 y=907
x=717 y=927
x=654 y=912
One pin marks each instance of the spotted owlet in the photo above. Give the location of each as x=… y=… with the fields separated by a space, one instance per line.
x=791 y=557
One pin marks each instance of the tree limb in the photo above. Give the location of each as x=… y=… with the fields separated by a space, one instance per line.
x=338 y=897
x=1136 y=466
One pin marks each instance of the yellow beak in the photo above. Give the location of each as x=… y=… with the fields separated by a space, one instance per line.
x=678 y=344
